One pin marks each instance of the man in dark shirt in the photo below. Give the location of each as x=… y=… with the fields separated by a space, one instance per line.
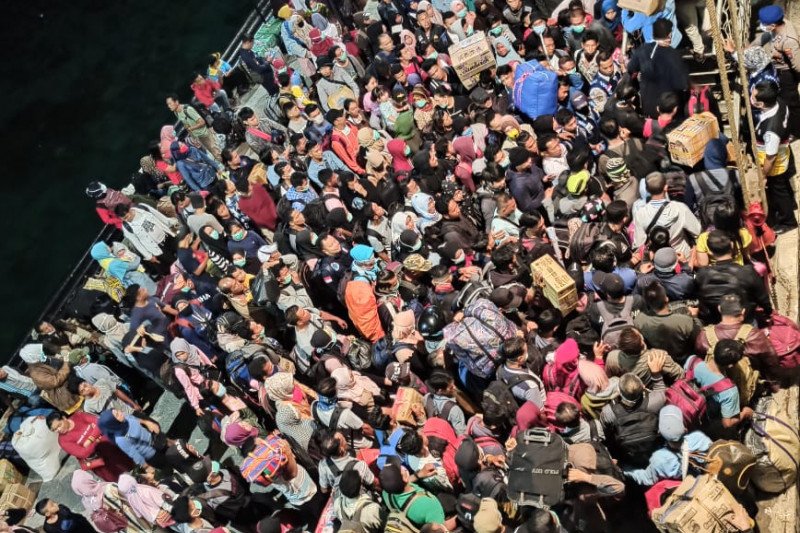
x=258 y=65
x=660 y=68
x=725 y=276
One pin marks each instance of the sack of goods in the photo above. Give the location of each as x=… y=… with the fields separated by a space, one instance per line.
x=701 y=504
x=775 y=444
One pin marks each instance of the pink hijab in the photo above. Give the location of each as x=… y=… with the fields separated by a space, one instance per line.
x=146 y=501
x=464 y=147
x=397 y=149
x=89 y=489
x=351 y=385
x=167 y=138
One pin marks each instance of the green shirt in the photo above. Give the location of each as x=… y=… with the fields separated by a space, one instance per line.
x=425 y=509
x=188 y=117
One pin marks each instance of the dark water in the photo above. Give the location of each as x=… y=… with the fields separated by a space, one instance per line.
x=82 y=95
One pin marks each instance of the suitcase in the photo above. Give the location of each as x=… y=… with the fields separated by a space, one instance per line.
x=538 y=469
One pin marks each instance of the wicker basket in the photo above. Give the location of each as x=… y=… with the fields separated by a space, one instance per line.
x=8 y=474
x=687 y=143
x=559 y=287
x=17 y=496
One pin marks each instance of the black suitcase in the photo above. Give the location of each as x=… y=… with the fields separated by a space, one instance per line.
x=538 y=469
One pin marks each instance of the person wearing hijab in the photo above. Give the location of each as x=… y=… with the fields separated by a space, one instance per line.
x=50 y=375
x=98 y=494
x=125 y=267
x=190 y=369
x=113 y=332
x=402 y=221
x=148 y=503
x=422 y=104
x=140 y=439
x=165 y=144
x=217 y=247
x=425 y=207
x=464 y=147
x=399 y=150
x=80 y=436
x=430 y=173
x=292 y=417
x=357 y=390
x=504 y=51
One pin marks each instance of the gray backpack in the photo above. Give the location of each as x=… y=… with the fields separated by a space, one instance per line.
x=614 y=323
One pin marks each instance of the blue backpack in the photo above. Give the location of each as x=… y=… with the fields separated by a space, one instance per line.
x=236 y=368
x=381 y=353
x=389 y=449
x=535 y=90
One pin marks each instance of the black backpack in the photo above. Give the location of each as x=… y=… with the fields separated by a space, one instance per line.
x=489 y=483
x=605 y=464
x=713 y=199
x=498 y=398
x=538 y=469
x=635 y=434
x=169 y=380
x=584 y=240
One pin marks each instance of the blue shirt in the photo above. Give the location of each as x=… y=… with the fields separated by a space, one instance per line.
x=136 y=443
x=628 y=276
x=725 y=402
x=666 y=463
x=330 y=161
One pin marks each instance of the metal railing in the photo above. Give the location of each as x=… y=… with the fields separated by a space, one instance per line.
x=86 y=266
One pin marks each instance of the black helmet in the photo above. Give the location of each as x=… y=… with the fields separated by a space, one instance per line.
x=229 y=322
x=431 y=324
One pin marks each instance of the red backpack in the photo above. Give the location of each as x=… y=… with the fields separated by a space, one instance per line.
x=784 y=335
x=691 y=399
x=658 y=493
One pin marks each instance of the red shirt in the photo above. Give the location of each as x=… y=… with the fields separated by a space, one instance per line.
x=259 y=207
x=204 y=92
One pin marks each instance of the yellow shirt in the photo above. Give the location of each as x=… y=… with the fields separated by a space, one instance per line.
x=744 y=236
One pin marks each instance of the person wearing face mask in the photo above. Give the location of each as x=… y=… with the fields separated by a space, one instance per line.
x=317 y=129
x=221 y=491
x=332 y=83
x=216 y=245
x=344 y=140
x=243 y=242
x=505 y=221
x=191 y=516
x=300 y=194
x=359 y=298
x=781 y=40
x=660 y=67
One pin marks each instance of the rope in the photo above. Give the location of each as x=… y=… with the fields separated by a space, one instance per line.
x=742 y=162
x=737 y=42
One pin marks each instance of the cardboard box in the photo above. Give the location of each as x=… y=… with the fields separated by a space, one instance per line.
x=687 y=143
x=648 y=7
x=470 y=57
x=559 y=287
x=401 y=410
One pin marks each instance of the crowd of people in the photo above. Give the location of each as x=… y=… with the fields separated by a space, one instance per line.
x=340 y=285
